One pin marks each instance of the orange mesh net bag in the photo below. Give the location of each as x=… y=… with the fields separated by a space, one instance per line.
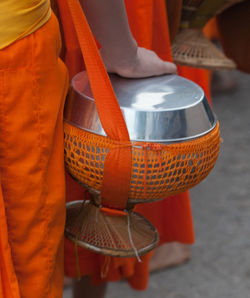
x=157 y=170
x=190 y=46
x=141 y=150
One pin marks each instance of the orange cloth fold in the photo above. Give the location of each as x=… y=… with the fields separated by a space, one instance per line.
x=33 y=86
x=8 y=280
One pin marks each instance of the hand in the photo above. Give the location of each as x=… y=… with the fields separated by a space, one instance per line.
x=143 y=63
x=120 y=52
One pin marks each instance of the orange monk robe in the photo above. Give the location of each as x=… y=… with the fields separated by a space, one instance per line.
x=172 y=216
x=148 y=22
x=33 y=86
x=8 y=280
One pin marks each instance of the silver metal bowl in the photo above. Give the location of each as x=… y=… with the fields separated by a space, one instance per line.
x=163 y=109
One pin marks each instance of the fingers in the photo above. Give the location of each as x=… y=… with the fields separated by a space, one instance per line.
x=153 y=65
x=161 y=67
x=145 y=64
x=168 y=67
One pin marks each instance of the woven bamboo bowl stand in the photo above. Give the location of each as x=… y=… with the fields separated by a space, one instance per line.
x=191 y=47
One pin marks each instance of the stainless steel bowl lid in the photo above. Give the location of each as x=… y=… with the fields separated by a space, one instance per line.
x=162 y=109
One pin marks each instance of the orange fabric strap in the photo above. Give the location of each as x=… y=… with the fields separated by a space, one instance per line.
x=117 y=166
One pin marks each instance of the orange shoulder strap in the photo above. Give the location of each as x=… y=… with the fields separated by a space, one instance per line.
x=117 y=166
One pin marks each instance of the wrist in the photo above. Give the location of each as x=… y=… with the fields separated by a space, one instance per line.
x=123 y=57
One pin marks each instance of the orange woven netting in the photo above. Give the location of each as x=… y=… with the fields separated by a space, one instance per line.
x=157 y=170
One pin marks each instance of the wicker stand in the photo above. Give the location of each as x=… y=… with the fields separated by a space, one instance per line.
x=118 y=235
x=192 y=48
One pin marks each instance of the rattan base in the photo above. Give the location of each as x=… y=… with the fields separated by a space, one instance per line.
x=108 y=234
x=192 y=48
